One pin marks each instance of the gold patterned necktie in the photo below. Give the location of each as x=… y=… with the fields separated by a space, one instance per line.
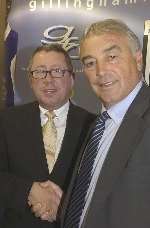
x=49 y=139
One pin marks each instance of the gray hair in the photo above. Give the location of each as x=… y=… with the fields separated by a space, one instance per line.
x=113 y=26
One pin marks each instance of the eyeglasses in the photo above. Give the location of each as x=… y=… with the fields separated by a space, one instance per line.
x=55 y=73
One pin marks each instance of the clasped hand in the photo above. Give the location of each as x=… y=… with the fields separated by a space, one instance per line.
x=44 y=199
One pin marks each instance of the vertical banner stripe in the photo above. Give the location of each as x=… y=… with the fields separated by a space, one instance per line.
x=147 y=68
x=11 y=42
x=146 y=51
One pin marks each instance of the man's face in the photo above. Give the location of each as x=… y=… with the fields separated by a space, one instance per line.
x=110 y=66
x=51 y=92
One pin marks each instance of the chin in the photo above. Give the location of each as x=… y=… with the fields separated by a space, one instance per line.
x=107 y=103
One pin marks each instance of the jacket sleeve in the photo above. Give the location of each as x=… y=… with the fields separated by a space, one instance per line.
x=13 y=190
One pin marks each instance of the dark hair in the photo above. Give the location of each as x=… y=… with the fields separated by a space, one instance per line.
x=52 y=47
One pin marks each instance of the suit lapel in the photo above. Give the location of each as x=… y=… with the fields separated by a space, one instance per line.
x=68 y=150
x=73 y=130
x=75 y=173
x=123 y=145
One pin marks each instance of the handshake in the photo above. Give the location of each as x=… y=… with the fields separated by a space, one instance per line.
x=44 y=199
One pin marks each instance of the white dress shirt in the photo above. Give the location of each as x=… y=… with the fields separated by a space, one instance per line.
x=60 y=123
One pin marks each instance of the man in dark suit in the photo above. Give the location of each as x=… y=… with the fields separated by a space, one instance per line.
x=118 y=192
x=30 y=193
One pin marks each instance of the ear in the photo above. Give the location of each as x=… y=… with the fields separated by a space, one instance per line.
x=139 y=60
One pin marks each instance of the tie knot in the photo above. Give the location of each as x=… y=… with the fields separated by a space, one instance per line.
x=104 y=116
x=50 y=115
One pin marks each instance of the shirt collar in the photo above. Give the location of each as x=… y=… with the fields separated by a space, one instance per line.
x=117 y=111
x=58 y=112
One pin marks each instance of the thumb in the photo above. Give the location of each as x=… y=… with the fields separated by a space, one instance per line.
x=44 y=184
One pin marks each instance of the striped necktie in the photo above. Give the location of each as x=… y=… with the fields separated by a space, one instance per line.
x=84 y=177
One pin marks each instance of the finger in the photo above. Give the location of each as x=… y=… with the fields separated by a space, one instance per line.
x=52 y=185
x=46 y=216
x=38 y=214
x=30 y=201
x=49 y=216
x=53 y=189
x=57 y=189
x=55 y=202
x=38 y=209
x=45 y=184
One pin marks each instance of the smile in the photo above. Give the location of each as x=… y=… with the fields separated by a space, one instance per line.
x=49 y=91
x=107 y=84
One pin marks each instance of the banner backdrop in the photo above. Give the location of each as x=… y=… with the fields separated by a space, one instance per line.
x=47 y=21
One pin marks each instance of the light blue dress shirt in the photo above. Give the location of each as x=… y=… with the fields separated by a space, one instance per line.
x=117 y=113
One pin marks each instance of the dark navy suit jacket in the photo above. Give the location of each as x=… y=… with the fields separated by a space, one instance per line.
x=22 y=160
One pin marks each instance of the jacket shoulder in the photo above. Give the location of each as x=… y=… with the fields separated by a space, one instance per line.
x=18 y=111
x=81 y=111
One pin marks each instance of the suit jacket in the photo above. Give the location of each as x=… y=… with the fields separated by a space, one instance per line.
x=122 y=195
x=23 y=160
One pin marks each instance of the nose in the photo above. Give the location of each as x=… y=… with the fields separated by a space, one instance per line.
x=100 y=67
x=49 y=77
x=49 y=74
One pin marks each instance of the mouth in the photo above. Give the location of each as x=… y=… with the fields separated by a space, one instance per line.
x=107 y=84
x=49 y=91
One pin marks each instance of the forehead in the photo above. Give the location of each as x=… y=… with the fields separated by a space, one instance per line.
x=50 y=57
x=44 y=54
x=96 y=44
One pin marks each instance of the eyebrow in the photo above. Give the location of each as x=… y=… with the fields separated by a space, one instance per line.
x=87 y=57
x=112 y=48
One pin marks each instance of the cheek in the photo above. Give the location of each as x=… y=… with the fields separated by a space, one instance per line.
x=35 y=86
x=68 y=84
x=90 y=77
